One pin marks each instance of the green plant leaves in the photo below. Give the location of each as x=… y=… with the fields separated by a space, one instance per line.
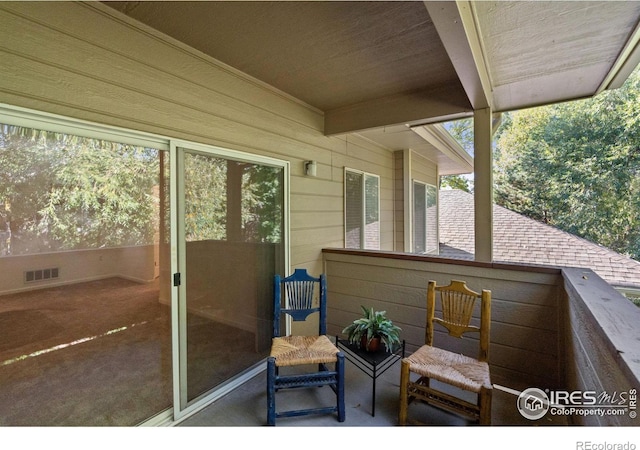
x=373 y=324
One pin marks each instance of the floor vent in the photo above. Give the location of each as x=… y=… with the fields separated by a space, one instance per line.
x=41 y=274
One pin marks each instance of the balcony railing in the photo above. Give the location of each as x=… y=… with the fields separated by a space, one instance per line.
x=561 y=329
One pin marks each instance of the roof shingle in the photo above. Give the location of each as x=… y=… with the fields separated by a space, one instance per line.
x=520 y=239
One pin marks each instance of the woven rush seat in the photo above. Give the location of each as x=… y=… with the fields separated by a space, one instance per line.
x=453 y=368
x=297 y=350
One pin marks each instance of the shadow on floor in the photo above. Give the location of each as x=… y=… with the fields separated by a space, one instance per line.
x=247 y=406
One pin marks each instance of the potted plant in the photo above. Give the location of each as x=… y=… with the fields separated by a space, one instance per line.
x=372 y=329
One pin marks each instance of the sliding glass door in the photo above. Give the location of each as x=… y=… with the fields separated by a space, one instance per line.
x=85 y=336
x=136 y=273
x=231 y=231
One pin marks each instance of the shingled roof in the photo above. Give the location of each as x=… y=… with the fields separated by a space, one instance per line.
x=520 y=239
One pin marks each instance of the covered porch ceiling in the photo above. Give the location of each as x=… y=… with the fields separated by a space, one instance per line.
x=386 y=69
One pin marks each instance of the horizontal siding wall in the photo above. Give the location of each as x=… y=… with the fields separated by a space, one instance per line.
x=86 y=61
x=525 y=308
x=423 y=170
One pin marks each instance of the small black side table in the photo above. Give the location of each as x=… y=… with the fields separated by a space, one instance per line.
x=373 y=364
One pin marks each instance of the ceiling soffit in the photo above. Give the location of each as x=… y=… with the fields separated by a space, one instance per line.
x=545 y=52
x=331 y=55
x=376 y=63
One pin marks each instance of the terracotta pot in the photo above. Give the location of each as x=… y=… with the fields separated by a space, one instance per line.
x=374 y=344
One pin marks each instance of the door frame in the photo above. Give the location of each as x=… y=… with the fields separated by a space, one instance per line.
x=181 y=407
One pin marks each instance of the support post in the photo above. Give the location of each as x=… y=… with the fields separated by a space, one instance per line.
x=483 y=184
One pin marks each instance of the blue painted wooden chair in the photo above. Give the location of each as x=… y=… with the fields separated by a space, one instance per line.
x=294 y=297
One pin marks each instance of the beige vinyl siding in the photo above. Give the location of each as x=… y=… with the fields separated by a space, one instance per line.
x=408 y=166
x=423 y=169
x=86 y=61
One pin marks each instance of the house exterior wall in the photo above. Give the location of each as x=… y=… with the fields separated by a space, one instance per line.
x=423 y=170
x=86 y=61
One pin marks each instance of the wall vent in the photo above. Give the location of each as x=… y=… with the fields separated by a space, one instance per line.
x=31 y=276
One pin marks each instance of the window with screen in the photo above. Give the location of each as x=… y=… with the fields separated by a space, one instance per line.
x=425 y=218
x=362 y=210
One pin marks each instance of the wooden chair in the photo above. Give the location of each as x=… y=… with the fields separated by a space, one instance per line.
x=294 y=297
x=463 y=372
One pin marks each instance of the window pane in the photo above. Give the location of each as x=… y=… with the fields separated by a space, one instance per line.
x=419 y=218
x=432 y=220
x=85 y=314
x=262 y=197
x=372 y=213
x=64 y=192
x=353 y=209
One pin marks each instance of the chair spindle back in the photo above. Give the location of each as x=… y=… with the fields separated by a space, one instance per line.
x=299 y=294
x=295 y=295
x=458 y=303
x=457 y=309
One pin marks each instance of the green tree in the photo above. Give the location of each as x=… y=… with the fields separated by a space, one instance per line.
x=462 y=131
x=262 y=203
x=208 y=183
x=63 y=192
x=205 y=198
x=456 y=182
x=576 y=166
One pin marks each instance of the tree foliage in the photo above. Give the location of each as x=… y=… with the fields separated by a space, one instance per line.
x=462 y=131
x=211 y=183
x=262 y=208
x=576 y=166
x=456 y=182
x=63 y=192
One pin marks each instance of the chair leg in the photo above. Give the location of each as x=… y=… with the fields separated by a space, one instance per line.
x=404 y=393
x=485 y=406
x=419 y=383
x=340 y=387
x=271 y=391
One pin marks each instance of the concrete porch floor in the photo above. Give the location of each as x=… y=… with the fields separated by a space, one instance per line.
x=246 y=406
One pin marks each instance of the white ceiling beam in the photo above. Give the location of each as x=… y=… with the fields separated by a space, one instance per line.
x=440 y=138
x=626 y=62
x=459 y=31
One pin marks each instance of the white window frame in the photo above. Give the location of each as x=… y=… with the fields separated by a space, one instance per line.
x=363 y=212
x=427 y=186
